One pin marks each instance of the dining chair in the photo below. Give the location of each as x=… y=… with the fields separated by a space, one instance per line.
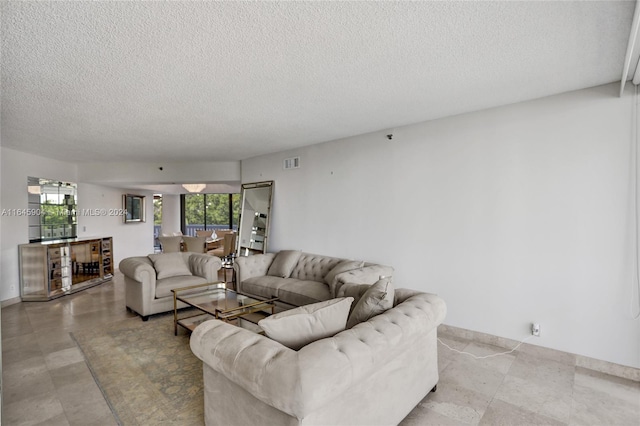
x=227 y=254
x=194 y=244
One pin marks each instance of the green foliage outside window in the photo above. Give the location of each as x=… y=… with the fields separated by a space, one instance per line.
x=55 y=214
x=157 y=210
x=211 y=209
x=236 y=210
x=194 y=209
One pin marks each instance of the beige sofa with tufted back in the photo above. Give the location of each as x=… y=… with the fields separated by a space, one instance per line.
x=148 y=280
x=372 y=374
x=298 y=278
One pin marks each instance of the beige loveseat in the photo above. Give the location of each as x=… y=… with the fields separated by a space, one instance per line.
x=298 y=278
x=149 y=279
x=374 y=373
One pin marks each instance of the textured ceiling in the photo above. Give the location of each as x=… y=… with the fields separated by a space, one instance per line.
x=155 y=81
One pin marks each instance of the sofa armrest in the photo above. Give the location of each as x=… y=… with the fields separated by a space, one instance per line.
x=353 y=290
x=205 y=266
x=259 y=365
x=367 y=275
x=432 y=304
x=138 y=269
x=247 y=267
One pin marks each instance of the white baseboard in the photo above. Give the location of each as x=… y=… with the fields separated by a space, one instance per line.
x=10 y=302
x=606 y=367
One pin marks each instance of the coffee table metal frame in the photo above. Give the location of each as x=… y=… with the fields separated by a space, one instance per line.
x=252 y=311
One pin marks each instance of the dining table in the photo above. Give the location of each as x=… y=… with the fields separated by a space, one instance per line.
x=213 y=243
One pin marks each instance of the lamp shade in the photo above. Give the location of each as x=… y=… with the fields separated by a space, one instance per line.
x=194 y=187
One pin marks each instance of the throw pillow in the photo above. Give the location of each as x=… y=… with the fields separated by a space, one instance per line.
x=169 y=265
x=353 y=290
x=298 y=327
x=344 y=266
x=377 y=299
x=284 y=263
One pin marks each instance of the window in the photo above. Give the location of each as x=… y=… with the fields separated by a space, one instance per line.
x=157 y=209
x=157 y=220
x=209 y=211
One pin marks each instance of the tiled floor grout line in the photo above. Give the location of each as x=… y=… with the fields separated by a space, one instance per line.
x=573 y=399
x=493 y=397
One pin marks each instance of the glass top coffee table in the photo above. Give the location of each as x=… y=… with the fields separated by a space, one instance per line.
x=214 y=300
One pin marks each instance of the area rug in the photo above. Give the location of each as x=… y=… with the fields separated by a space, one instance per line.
x=147 y=375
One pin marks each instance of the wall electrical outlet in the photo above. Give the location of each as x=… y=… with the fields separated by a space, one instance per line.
x=535 y=329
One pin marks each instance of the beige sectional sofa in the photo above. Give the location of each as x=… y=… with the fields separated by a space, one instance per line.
x=298 y=278
x=149 y=279
x=374 y=373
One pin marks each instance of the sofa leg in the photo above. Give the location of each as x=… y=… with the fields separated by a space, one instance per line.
x=144 y=317
x=434 y=388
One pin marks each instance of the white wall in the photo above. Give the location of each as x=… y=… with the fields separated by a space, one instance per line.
x=1 y=248
x=129 y=239
x=1 y=384
x=513 y=215
x=15 y=168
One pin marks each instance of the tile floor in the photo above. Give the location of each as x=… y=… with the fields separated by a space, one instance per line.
x=45 y=379
x=526 y=387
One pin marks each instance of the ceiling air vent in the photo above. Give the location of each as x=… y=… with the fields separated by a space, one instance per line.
x=291 y=163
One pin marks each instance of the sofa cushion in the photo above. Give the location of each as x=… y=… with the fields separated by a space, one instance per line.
x=298 y=327
x=284 y=263
x=165 y=285
x=263 y=286
x=169 y=265
x=298 y=292
x=313 y=267
x=377 y=299
x=344 y=266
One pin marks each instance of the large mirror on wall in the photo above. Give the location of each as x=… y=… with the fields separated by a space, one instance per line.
x=51 y=209
x=255 y=217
